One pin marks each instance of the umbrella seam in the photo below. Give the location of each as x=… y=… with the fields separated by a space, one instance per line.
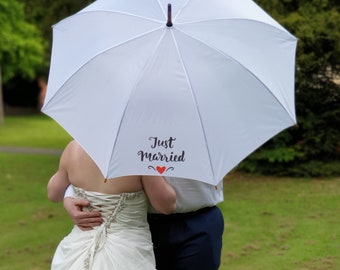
x=133 y=90
x=161 y=7
x=282 y=29
x=106 y=11
x=179 y=12
x=195 y=101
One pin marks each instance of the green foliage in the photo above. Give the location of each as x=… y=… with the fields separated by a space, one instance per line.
x=26 y=35
x=21 y=46
x=45 y=13
x=312 y=148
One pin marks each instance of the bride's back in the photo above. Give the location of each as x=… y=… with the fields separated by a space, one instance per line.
x=84 y=173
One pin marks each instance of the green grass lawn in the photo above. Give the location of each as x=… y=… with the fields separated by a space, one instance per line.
x=32 y=131
x=270 y=223
x=281 y=223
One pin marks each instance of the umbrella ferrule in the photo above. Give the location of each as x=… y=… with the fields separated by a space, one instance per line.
x=169 y=22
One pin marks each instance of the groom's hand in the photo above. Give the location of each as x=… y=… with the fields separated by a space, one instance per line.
x=84 y=220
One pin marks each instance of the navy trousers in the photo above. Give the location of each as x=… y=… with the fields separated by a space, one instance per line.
x=189 y=241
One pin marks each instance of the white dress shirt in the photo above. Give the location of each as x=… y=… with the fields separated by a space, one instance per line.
x=192 y=195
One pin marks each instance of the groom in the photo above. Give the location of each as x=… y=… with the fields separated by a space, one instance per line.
x=189 y=239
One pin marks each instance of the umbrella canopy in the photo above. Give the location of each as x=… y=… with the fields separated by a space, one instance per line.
x=187 y=92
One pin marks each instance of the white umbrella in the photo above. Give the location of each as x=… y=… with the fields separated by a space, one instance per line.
x=187 y=92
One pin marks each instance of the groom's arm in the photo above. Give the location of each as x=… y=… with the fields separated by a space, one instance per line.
x=73 y=206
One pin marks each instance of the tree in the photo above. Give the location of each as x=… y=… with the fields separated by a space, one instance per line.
x=45 y=13
x=25 y=34
x=21 y=47
x=1 y=105
x=312 y=148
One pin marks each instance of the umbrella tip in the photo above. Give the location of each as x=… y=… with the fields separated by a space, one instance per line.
x=169 y=22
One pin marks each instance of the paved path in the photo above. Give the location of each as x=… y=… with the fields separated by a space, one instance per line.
x=30 y=150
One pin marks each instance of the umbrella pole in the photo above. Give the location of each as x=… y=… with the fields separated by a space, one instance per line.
x=169 y=22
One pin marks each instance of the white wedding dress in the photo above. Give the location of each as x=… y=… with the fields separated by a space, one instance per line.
x=122 y=242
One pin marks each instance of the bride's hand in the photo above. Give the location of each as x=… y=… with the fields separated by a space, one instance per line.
x=84 y=220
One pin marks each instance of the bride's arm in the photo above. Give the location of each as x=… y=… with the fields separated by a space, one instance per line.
x=59 y=181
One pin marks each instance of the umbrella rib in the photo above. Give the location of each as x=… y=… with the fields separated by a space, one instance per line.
x=195 y=101
x=250 y=72
x=110 y=11
x=217 y=19
x=183 y=7
x=280 y=28
x=125 y=41
x=161 y=6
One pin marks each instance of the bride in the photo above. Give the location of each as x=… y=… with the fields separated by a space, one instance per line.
x=123 y=240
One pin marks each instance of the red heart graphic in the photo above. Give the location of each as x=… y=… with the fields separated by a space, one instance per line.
x=160 y=169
